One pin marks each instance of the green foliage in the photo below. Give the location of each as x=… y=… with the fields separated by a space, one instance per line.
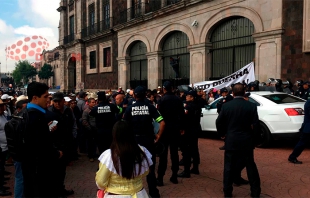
x=46 y=72
x=23 y=71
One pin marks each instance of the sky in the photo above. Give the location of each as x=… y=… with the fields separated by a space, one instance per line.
x=36 y=19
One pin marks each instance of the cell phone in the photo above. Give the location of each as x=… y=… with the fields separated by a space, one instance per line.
x=54 y=123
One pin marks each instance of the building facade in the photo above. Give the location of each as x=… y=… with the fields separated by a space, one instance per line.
x=104 y=44
x=214 y=38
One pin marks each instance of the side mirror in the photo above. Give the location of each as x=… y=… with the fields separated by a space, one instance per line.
x=207 y=107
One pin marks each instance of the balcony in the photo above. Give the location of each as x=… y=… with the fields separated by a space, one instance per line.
x=68 y=39
x=96 y=28
x=62 y=5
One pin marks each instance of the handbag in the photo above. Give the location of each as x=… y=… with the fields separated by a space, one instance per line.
x=100 y=193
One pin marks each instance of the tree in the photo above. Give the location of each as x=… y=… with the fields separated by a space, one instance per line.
x=46 y=72
x=23 y=71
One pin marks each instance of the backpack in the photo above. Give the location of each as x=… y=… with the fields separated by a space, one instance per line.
x=15 y=133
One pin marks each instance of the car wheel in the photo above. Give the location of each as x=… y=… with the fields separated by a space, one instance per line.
x=265 y=136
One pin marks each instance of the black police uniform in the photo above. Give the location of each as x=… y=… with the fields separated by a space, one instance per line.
x=140 y=115
x=190 y=138
x=306 y=94
x=223 y=101
x=171 y=108
x=104 y=113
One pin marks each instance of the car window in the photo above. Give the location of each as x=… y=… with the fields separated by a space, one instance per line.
x=283 y=98
x=254 y=101
x=213 y=105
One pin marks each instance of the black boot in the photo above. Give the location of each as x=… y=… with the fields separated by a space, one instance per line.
x=184 y=174
x=195 y=170
x=160 y=181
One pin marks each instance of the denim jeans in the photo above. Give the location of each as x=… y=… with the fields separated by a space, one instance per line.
x=19 y=180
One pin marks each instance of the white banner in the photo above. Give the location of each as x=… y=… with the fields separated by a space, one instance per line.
x=245 y=74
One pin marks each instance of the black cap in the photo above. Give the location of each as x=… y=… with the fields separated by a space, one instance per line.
x=223 y=90
x=247 y=94
x=167 y=85
x=101 y=96
x=191 y=93
x=58 y=96
x=307 y=82
x=140 y=90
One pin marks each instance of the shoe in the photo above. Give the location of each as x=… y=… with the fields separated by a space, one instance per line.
x=159 y=182
x=194 y=171
x=174 y=179
x=222 y=147
x=184 y=174
x=181 y=162
x=68 y=192
x=294 y=161
x=154 y=194
x=91 y=159
x=7 y=173
x=5 y=188
x=227 y=195
x=5 y=193
x=241 y=181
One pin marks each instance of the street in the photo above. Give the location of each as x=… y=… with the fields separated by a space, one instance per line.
x=279 y=178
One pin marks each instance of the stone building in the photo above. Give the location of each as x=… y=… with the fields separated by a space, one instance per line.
x=87 y=48
x=214 y=38
x=106 y=44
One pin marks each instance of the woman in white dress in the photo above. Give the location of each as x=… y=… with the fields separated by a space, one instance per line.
x=123 y=166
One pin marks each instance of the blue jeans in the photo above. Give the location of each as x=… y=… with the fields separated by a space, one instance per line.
x=19 y=181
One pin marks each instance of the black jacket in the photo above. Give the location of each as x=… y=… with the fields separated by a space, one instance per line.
x=63 y=136
x=222 y=102
x=238 y=122
x=171 y=108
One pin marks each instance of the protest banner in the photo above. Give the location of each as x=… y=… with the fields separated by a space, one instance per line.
x=243 y=75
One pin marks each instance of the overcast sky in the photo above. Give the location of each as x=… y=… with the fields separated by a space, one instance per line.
x=20 y=19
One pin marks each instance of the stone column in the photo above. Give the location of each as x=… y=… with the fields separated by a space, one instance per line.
x=268 y=54
x=198 y=69
x=63 y=69
x=123 y=71
x=154 y=69
x=80 y=72
x=163 y=3
x=129 y=5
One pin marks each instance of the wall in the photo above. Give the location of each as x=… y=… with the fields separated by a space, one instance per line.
x=295 y=63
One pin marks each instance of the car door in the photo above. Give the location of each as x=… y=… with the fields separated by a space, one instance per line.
x=209 y=116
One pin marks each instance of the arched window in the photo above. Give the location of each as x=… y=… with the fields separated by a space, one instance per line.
x=232 y=46
x=176 y=58
x=138 y=64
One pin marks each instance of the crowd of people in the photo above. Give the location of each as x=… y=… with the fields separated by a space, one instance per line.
x=126 y=127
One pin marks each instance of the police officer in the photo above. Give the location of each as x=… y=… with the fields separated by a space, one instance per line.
x=171 y=108
x=306 y=91
x=140 y=115
x=104 y=114
x=226 y=98
x=300 y=91
x=189 y=139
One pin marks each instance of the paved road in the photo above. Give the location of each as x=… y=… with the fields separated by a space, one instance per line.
x=279 y=178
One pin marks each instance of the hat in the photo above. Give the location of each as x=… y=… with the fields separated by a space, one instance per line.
x=1 y=102
x=101 y=96
x=11 y=97
x=140 y=90
x=191 y=93
x=21 y=98
x=82 y=94
x=5 y=97
x=72 y=95
x=58 y=96
x=247 y=94
x=223 y=90
x=120 y=88
x=67 y=99
x=128 y=90
x=159 y=87
x=307 y=82
x=167 y=85
x=93 y=95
